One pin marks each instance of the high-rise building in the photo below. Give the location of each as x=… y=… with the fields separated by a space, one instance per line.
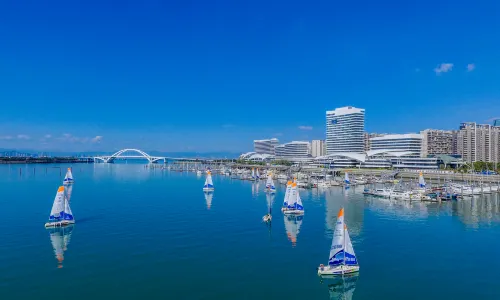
x=265 y=146
x=410 y=142
x=318 y=148
x=438 y=142
x=478 y=142
x=345 y=128
x=496 y=122
x=295 y=149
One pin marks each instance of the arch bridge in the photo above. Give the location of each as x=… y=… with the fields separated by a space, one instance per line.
x=120 y=155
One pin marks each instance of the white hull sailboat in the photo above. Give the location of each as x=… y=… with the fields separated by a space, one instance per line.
x=270 y=188
x=209 y=185
x=342 y=257
x=61 y=214
x=294 y=206
x=68 y=178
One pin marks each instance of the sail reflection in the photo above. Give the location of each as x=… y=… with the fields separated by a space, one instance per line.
x=342 y=288
x=292 y=227
x=208 y=199
x=60 y=237
x=270 y=202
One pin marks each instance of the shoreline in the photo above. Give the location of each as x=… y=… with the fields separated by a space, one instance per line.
x=43 y=160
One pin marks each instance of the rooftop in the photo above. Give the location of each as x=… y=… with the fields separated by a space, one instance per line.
x=345 y=111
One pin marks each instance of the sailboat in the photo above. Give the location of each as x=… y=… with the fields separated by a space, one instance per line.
x=292 y=227
x=209 y=185
x=287 y=195
x=253 y=174
x=61 y=214
x=342 y=258
x=68 y=191
x=257 y=175
x=208 y=199
x=421 y=180
x=68 y=178
x=346 y=179
x=60 y=237
x=270 y=200
x=295 y=206
x=270 y=184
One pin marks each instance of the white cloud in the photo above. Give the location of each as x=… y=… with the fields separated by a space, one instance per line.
x=471 y=67
x=96 y=139
x=6 y=137
x=305 y=127
x=23 y=137
x=443 y=68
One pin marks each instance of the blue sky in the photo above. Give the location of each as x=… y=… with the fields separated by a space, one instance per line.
x=214 y=75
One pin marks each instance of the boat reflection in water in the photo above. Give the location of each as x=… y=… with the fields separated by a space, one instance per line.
x=341 y=287
x=60 y=237
x=292 y=227
x=208 y=199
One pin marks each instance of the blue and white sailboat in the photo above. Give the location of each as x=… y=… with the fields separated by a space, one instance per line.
x=270 y=184
x=295 y=206
x=257 y=175
x=61 y=214
x=346 y=179
x=209 y=185
x=421 y=180
x=342 y=257
x=68 y=178
x=287 y=195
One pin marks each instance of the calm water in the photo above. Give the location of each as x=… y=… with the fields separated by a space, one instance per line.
x=143 y=233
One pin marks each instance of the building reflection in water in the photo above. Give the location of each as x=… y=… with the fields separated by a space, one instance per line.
x=353 y=210
x=479 y=209
x=341 y=287
x=292 y=227
x=60 y=237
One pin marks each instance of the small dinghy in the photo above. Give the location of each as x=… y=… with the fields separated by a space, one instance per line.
x=342 y=258
x=209 y=185
x=68 y=178
x=61 y=214
x=295 y=206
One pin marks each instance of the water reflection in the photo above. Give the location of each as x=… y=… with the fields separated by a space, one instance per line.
x=342 y=288
x=208 y=199
x=354 y=210
x=60 y=237
x=476 y=210
x=292 y=227
x=255 y=188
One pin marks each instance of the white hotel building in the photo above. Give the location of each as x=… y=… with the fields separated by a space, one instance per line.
x=295 y=149
x=265 y=146
x=345 y=129
x=410 y=142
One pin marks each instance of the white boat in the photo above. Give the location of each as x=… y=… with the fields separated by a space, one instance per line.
x=342 y=259
x=322 y=185
x=61 y=214
x=198 y=173
x=68 y=178
x=346 y=179
x=385 y=193
x=401 y=195
x=209 y=185
x=270 y=184
x=60 y=237
x=292 y=227
x=208 y=199
x=287 y=195
x=294 y=206
x=253 y=174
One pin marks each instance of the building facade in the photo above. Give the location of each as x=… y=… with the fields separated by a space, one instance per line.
x=438 y=142
x=318 y=148
x=265 y=146
x=295 y=149
x=477 y=142
x=411 y=142
x=345 y=129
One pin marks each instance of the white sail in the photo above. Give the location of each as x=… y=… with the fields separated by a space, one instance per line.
x=350 y=256
x=337 y=249
x=292 y=198
x=257 y=174
x=292 y=227
x=208 y=181
x=68 y=178
x=208 y=199
x=421 y=180
x=57 y=212
x=67 y=214
x=287 y=193
x=69 y=190
x=269 y=181
x=347 y=178
x=299 y=205
x=253 y=173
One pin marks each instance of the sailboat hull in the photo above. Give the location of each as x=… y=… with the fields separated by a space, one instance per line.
x=59 y=223
x=208 y=189
x=338 y=270
x=293 y=212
